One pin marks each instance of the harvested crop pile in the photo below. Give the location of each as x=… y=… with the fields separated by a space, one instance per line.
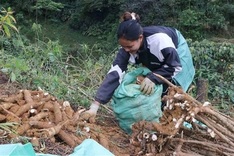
x=45 y=121
x=54 y=127
x=211 y=132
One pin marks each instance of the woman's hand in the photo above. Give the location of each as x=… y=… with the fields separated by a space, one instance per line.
x=147 y=86
x=90 y=114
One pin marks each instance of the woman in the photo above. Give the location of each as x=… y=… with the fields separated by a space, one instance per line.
x=161 y=49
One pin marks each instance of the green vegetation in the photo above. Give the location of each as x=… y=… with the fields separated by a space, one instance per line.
x=73 y=76
x=66 y=36
x=214 y=62
x=7 y=21
x=7 y=127
x=66 y=47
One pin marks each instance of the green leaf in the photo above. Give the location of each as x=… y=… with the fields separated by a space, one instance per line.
x=12 y=26
x=6 y=31
x=12 y=18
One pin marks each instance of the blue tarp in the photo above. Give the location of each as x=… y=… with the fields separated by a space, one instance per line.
x=17 y=150
x=88 y=147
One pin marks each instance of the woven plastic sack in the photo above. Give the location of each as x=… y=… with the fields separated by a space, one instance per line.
x=130 y=105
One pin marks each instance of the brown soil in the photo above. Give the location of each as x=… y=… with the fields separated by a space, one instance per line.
x=67 y=130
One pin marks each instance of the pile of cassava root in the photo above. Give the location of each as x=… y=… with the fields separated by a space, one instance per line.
x=38 y=115
x=45 y=121
x=187 y=128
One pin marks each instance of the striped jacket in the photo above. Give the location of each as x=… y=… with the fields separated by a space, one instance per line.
x=158 y=53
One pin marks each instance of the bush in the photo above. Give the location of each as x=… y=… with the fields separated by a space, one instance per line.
x=214 y=62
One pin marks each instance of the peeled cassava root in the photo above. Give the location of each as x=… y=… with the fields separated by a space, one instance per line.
x=41 y=116
x=187 y=127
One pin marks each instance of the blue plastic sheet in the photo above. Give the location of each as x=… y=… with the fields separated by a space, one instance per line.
x=90 y=147
x=17 y=150
x=189 y=125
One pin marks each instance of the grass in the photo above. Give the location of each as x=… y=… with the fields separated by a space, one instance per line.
x=57 y=31
x=63 y=33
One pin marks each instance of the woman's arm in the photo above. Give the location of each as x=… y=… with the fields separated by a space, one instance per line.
x=113 y=77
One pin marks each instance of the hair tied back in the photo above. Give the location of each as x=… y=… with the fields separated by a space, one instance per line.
x=133 y=15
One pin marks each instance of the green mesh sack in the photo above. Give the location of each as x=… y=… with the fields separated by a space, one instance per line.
x=130 y=105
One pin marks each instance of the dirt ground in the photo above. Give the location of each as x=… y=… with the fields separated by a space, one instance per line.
x=58 y=131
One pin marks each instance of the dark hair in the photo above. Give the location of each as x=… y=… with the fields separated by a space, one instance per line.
x=129 y=28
